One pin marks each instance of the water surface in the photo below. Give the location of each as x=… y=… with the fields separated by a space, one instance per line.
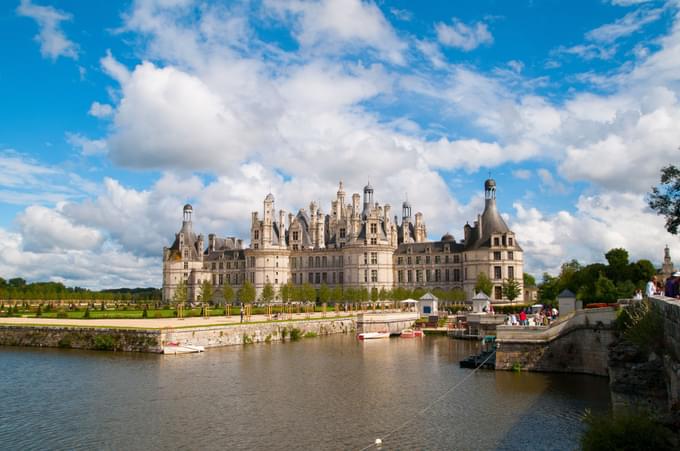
x=324 y=393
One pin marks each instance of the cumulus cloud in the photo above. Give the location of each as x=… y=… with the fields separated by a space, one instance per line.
x=462 y=36
x=600 y=222
x=45 y=229
x=53 y=41
x=626 y=25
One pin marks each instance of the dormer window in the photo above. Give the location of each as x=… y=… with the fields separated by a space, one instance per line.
x=374 y=228
x=510 y=241
x=296 y=236
x=342 y=233
x=256 y=235
x=496 y=241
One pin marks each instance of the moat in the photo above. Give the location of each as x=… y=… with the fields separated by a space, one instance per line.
x=325 y=393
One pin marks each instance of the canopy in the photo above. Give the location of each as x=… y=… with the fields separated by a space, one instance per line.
x=409 y=301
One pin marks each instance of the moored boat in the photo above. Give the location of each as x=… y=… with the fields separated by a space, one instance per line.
x=411 y=333
x=373 y=335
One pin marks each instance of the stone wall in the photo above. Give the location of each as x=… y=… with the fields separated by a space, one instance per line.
x=254 y=333
x=105 y=339
x=577 y=343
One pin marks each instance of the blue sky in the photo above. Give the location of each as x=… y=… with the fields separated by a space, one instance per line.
x=115 y=114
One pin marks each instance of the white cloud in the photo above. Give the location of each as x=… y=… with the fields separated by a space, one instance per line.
x=600 y=222
x=628 y=24
x=522 y=174
x=100 y=110
x=87 y=146
x=53 y=42
x=628 y=2
x=328 y=23
x=462 y=36
x=44 y=229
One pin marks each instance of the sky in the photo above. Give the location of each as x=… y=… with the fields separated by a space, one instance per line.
x=113 y=115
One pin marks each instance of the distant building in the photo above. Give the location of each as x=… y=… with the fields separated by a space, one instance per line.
x=355 y=245
x=667 y=267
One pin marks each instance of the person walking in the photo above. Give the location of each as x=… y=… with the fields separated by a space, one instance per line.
x=241 y=313
x=522 y=318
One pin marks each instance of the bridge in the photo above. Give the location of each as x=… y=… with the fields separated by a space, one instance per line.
x=392 y=322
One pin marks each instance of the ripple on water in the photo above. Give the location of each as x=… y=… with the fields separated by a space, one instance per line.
x=326 y=393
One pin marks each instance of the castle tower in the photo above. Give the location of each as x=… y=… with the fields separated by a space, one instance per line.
x=268 y=220
x=667 y=267
x=368 y=200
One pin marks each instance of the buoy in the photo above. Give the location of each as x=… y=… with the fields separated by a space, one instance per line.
x=378 y=442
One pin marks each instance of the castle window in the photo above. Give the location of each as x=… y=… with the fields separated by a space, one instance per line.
x=466 y=274
x=295 y=247
x=342 y=233
x=446 y=248
x=310 y=262
x=409 y=274
x=511 y=255
x=400 y=260
x=408 y=260
x=419 y=275
x=374 y=258
x=496 y=241
x=276 y=281
x=456 y=275
x=365 y=275
x=256 y=246
x=428 y=275
x=296 y=235
x=256 y=235
x=310 y=277
x=437 y=275
x=509 y=241
x=400 y=276
x=221 y=265
x=333 y=277
x=427 y=259
x=511 y=272
x=446 y=259
x=497 y=255
x=324 y=277
x=374 y=228
x=446 y=275
x=427 y=250
x=228 y=265
x=214 y=266
x=374 y=241
x=374 y=275
x=417 y=259
x=497 y=272
x=214 y=279
x=497 y=293
x=229 y=278
x=186 y=265
x=324 y=261
x=456 y=258
x=317 y=278
x=365 y=258
x=340 y=277
x=437 y=259
x=318 y=262
x=186 y=253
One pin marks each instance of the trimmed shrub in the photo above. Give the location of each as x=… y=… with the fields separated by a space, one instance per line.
x=87 y=312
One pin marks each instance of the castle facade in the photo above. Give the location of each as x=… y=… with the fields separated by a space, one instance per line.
x=357 y=244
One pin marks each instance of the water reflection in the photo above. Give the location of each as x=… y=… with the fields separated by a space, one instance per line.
x=326 y=393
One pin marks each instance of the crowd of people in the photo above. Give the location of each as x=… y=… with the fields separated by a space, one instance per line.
x=540 y=318
x=670 y=289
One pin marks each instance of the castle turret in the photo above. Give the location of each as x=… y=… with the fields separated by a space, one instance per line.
x=368 y=200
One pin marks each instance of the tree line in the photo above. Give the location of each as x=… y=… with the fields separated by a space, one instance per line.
x=17 y=289
x=308 y=293
x=599 y=282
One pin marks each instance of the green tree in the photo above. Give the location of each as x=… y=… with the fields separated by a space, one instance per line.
x=618 y=264
x=363 y=294
x=483 y=284
x=267 y=295
x=665 y=198
x=227 y=293
x=337 y=294
x=384 y=294
x=180 y=294
x=375 y=294
x=324 y=293
x=308 y=293
x=605 y=290
x=206 y=291
x=286 y=292
x=247 y=293
x=511 y=289
x=529 y=280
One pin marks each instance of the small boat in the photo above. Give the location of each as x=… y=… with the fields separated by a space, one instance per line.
x=411 y=333
x=176 y=348
x=373 y=335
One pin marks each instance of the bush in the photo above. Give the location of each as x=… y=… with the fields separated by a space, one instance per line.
x=104 y=342
x=642 y=324
x=311 y=334
x=632 y=431
x=507 y=309
x=38 y=313
x=87 y=312
x=295 y=334
x=145 y=314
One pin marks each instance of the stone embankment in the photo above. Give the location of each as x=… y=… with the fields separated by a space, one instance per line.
x=134 y=339
x=577 y=343
x=650 y=379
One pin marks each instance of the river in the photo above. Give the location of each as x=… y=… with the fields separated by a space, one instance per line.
x=323 y=393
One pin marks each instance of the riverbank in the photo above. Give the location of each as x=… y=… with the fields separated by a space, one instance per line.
x=150 y=335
